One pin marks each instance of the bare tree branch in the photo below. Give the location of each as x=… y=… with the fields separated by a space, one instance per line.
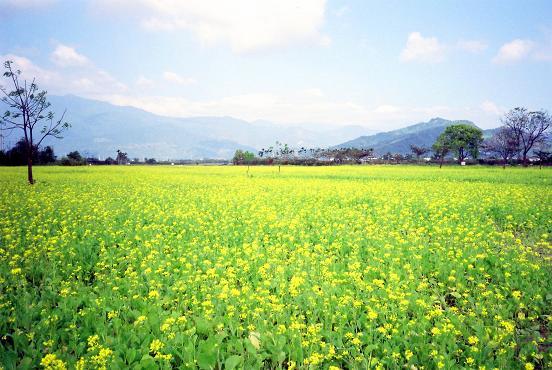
x=27 y=107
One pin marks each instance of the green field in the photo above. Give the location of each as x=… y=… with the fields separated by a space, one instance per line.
x=332 y=267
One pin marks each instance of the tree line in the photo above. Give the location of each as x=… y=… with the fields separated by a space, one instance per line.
x=521 y=134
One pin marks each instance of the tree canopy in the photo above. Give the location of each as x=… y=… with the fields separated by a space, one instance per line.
x=464 y=140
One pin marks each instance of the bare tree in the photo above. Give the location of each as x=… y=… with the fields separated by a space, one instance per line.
x=418 y=151
x=440 y=150
x=122 y=157
x=504 y=143
x=530 y=128
x=28 y=111
x=543 y=153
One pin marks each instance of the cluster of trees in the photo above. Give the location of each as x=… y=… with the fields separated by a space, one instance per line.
x=283 y=154
x=243 y=157
x=463 y=140
x=17 y=156
x=523 y=133
x=73 y=158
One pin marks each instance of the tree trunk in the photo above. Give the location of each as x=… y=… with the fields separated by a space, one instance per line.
x=30 y=164
x=30 y=170
x=441 y=163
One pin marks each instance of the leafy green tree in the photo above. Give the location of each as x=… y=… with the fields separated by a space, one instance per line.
x=73 y=158
x=75 y=155
x=46 y=155
x=464 y=140
x=241 y=157
x=17 y=156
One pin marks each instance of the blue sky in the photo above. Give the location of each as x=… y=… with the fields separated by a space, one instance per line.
x=381 y=64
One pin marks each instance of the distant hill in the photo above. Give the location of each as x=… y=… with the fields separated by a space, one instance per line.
x=399 y=141
x=99 y=129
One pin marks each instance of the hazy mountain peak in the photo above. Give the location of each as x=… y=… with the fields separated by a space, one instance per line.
x=100 y=128
x=399 y=141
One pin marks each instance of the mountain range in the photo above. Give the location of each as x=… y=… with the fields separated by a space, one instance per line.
x=398 y=141
x=99 y=129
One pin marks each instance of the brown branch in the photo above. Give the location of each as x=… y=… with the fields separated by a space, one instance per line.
x=54 y=130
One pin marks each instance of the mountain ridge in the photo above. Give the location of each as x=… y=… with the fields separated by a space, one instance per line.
x=100 y=128
x=399 y=141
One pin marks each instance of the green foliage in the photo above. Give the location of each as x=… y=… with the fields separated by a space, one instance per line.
x=346 y=266
x=73 y=158
x=462 y=139
x=75 y=155
x=17 y=156
x=243 y=157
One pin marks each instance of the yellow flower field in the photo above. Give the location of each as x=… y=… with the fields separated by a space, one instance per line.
x=331 y=267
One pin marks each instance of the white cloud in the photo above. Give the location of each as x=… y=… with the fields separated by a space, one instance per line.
x=433 y=111
x=26 y=4
x=144 y=82
x=489 y=107
x=244 y=25
x=85 y=80
x=544 y=50
x=342 y=11
x=387 y=108
x=66 y=56
x=514 y=51
x=543 y=55
x=472 y=46
x=177 y=79
x=294 y=107
x=423 y=49
x=29 y=70
x=313 y=92
x=298 y=107
x=308 y=105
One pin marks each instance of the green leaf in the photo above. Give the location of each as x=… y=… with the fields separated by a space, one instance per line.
x=207 y=354
x=207 y=360
x=147 y=362
x=203 y=326
x=232 y=361
x=130 y=355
